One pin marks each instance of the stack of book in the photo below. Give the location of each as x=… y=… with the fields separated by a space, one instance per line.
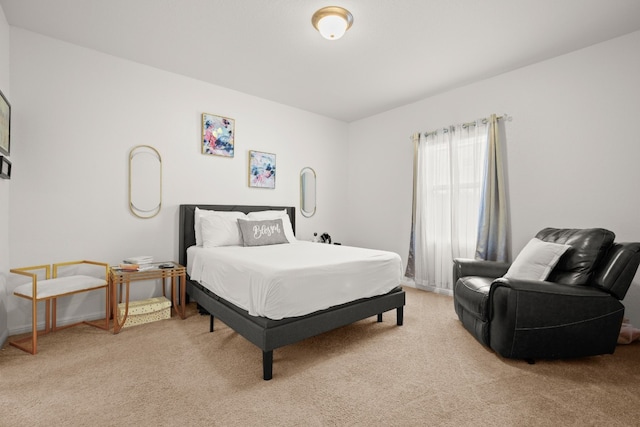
x=137 y=263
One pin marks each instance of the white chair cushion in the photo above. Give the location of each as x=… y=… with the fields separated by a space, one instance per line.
x=60 y=286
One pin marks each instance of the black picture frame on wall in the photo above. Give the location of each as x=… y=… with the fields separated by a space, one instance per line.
x=5 y=168
x=5 y=125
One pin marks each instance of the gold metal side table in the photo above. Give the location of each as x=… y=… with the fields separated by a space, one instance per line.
x=118 y=277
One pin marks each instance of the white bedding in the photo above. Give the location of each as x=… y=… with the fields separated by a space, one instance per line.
x=289 y=280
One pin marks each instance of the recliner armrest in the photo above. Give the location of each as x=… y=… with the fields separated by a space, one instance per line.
x=541 y=302
x=530 y=319
x=552 y=288
x=463 y=267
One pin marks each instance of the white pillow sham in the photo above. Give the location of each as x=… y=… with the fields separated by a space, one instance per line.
x=220 y=231
x=201 y=213
x=536 y=260
x=275 y=214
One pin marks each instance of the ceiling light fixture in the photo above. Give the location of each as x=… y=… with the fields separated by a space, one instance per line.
x=332 y=21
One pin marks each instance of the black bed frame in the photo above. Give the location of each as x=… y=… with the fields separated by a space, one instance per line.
x=270 y=334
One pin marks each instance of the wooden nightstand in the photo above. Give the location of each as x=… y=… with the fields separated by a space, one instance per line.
x=177 y=274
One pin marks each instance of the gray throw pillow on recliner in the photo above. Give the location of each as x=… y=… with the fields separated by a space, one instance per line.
x=536 y=260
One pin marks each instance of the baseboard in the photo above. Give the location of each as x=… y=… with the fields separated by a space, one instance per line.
x=61 y=322
x=435 y=290
x=407 y=281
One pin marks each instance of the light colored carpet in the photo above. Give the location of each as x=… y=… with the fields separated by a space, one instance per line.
x=428 y=372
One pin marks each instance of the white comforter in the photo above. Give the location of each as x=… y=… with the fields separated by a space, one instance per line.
x=289 y=280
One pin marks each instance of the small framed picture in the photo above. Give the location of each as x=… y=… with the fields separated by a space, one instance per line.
x=218 y=135
x=5 y=168
x=262 y=169
x=5 y=125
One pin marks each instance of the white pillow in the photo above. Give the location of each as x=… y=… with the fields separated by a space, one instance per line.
x=219 y=230
x=286 y=221
x=200 y=213
x=536 y=260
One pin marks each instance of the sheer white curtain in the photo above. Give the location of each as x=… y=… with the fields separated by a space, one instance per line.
x=449 y=175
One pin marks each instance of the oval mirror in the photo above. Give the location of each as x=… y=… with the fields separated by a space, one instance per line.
x=307 y=192
x=145 y=181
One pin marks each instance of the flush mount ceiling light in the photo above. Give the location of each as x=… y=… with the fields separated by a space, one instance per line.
x=332 y=21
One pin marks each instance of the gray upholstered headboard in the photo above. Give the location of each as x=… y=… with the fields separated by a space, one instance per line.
x=187 y=234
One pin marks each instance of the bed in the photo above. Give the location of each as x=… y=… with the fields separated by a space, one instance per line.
x=269 y=333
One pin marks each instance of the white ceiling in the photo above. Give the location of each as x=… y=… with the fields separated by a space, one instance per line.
x=397 y=52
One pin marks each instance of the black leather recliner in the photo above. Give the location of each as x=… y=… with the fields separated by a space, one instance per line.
x=576 y=312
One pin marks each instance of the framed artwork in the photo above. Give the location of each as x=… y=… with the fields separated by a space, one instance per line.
x=5 y=125
x=5 y=168
x=262 y=169
x=218 y=135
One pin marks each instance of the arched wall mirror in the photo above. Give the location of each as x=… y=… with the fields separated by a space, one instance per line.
x=307 y=192
x=145 y=181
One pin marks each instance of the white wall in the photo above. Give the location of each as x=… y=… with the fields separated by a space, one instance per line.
x=4 y=184
x=573 y=149
x=572 y=153
x=78 y=113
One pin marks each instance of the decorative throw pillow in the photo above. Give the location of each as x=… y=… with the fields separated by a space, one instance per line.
x=220 y=230
x=200 y=213
x=275 y=214
x=536 y=260
x=261 y=233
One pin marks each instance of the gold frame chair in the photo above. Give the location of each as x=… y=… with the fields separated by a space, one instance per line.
x=66 y=285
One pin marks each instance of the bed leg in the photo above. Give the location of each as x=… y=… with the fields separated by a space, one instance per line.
x=267 y=365
x=211 y=323
x=379 y=317
x=400 y=315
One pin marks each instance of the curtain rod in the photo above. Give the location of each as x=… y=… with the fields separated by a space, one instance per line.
x=504 y=117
